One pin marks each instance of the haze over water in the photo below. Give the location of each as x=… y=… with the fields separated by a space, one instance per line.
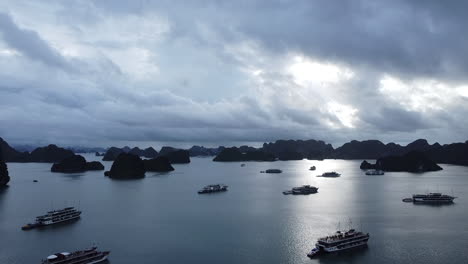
x=162 y=219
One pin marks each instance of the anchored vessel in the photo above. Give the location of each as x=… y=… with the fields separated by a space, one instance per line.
x=312 y=168
x=304 y=189
x=54 y=217
x=330 y=174
x=340 y=241
x=87 y=256
x=375 y=172
x=273 y=171
x=433 y=198
x=213 y=188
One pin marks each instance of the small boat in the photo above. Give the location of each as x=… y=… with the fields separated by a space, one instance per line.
x=213 y=188
x=314 y=252
x=304 y=189
x=273 y=171
x=312 y=168
x=330 y=174
x=34 y=180
x=375 y=172
x=408 y=200
x=242 y=165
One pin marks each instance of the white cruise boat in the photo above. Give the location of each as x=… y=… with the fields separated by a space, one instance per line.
x=340 y=241
x=433 y=198
x=54 y=217
x=87 y=256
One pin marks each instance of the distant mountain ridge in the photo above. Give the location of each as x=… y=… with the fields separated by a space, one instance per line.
x=455 y=153
x=173 y=154
x=50 y=153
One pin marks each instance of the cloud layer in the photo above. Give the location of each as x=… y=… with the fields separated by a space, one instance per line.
x=105 y=72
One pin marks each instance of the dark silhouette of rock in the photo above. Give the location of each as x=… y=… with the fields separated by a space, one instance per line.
x=76 y=163
x=178 y=157
x=159 y=164
x=10 y=154
x=97 y=154
x=4 y=176
x=175 y=155
x=166 y=150
x=147 y=153
x=126 y=149
x=455 y=153
x=94 y=165
x=150 y=153
x=234 y=154
x=368 y=149
x=71 y=164
x=111 y=154
x=413 y=161
x=290 y=155
x=245 y=149
x=127 y=166
x=373 y=149
x=136 y=151
x=312 y=149
x=196 y=151
x=51 y=153
x=366 y=165
x=230 y=154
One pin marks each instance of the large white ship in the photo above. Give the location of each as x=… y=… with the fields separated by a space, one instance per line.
x=55 y=217
x=340 y=241
x=433 y=198
x=87 y=256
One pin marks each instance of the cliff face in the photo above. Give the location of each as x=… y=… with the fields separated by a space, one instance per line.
x=310 y=149
x=127 y=166
x=10 y=154
x=149 y=153
x=456 y=153
x=4 y=177
x=111 y=154
x=159 y=164
x=76 y=163
x=196 y=151
x=178 y=156
x=369 y=149
x=51 y=153
x=374 y=149
x=413 y=161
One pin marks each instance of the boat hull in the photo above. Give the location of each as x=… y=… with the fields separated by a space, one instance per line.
x=335 y=249
x=421 y=200
x=104 y=258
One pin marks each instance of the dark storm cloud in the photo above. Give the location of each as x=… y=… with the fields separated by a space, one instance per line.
x=409 y=38
x=394 y=119
x=29 y=43
x=219 y=70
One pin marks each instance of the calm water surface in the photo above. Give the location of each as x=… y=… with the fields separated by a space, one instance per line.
x=162 y=219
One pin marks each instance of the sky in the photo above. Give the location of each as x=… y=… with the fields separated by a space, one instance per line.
x=110 y=72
